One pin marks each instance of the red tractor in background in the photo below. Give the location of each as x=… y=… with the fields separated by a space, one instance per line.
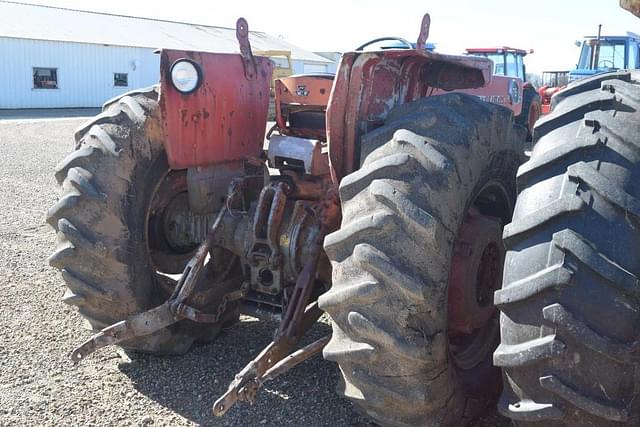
x=552 y=82
x=509 y=62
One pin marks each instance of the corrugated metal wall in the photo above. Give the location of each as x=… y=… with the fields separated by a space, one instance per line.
x=85 y=72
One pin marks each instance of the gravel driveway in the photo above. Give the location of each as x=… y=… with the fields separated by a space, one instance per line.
x=38 y=383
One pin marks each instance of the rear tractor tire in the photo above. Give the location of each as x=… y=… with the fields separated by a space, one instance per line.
x=416 y=261
x=113 y=224
x=570 y=300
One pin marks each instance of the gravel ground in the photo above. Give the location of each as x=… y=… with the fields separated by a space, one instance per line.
x=38 y=383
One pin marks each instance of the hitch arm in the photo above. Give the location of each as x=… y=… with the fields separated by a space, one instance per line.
x=136 y=326
x=294 y=359
x=170 y=312
x=300 y=316
x=247 y=382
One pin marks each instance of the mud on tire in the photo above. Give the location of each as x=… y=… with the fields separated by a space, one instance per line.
x=101 y=219
x=570 y=297
x=391 y=258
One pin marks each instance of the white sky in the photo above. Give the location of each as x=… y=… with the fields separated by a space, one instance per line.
x=548 y=26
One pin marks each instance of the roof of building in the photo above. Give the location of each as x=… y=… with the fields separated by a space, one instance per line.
x=28 y=21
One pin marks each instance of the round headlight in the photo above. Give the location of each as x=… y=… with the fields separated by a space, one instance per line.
x=514 y=92
x=185 y=75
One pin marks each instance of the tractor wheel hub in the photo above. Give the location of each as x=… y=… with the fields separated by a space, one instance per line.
x=476 y=272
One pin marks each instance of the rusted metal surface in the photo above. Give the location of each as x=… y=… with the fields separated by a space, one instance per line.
x=171 y=226
x=290 y=325
x=308 y=90
x=139 y=325
x=247 y=382
x=308 y=189
x=294 y=359
x=476 y=272
x=205 y=184
x=299 y=95
x=264 y=256
x=424 y=32
x=370 y=84
x=242 y=34
x=632 y=6
x=224 y=119
x=301 y=314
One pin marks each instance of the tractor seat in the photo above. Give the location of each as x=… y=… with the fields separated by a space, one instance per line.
x=307 y=119
x=304 y=99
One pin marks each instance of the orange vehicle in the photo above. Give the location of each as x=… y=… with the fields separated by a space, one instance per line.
x=552 y=82
x=373 y=201
x=390 y=209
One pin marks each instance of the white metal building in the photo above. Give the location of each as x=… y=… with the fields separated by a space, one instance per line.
x=62 y=58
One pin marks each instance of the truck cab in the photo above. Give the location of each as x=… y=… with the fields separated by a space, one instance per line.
x=607 y=53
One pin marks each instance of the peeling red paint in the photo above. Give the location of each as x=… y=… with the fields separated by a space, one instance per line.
x=369 y=84
x=201 y=128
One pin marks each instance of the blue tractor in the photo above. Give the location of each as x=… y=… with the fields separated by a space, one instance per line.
x=606 y=53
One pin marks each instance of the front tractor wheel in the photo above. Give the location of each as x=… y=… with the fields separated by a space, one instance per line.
x=417 y=259
x=121 y=222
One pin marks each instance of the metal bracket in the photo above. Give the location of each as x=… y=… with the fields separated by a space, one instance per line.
x=136 y=326
x=173 y=310
x=264 y=252
x=272 y=361
x=301 y=314
x=242 y=34
x=424 y=32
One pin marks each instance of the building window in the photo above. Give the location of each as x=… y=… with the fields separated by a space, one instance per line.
x=45 y=78
x=120 y=79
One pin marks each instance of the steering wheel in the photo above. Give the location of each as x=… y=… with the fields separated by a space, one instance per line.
x=407 y=44
x=604 y=63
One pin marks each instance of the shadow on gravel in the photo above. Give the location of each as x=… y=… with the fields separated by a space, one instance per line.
x=189 y=384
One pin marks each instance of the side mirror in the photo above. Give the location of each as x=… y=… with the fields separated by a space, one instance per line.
x=577 y=43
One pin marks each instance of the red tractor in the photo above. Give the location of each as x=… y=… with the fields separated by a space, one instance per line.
x=552 y=82
x=373 y=201
x=508 y=62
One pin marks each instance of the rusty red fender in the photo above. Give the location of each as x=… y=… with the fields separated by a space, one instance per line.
x=224 y=119
x=370 y=84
